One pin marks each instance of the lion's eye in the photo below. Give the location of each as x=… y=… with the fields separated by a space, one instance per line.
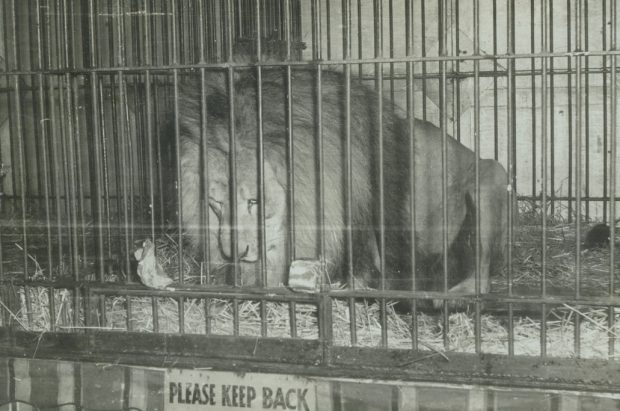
x=251 y=203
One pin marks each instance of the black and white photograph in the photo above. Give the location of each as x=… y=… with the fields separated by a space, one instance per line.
x=313 y=205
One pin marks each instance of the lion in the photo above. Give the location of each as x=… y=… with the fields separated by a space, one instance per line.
x=305 y=180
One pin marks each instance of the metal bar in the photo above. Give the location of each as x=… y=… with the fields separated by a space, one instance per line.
x=578 y=147
x=290 y=156
x=409 y=43
x=325 y=302
x=149 y=118
x=123 y=137
x=337 y=62
x=72 y=178
x=586 y=114
x=569 y=63
x=346 y=47
x=477 y=273
x=391 y=42
x=613 y=135
x=293 y=318
x=155 y=311
x=96 y=142
x=181 y=303
x=543 y=115
x=443 y=124
x=262 y=280
x=509 y=166
x=533 y=92
x=495 y=105
x=360 y=43
x=454 y=16
x=551 y=110
x=605 y=106
x=105 y=175
x=423 y=29
x=44 y=169
x=208 y=316
x=204 y=144
x=378 y=45
x=129 y=313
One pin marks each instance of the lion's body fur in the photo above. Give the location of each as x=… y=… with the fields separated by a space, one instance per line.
x=365 y=184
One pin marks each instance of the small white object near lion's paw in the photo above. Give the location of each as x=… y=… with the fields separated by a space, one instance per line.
x=304 y=276
x=149 y=270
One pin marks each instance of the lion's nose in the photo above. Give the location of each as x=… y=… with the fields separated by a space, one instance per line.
x=245 y=252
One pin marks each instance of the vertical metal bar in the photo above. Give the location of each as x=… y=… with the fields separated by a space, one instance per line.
x=509 y=162
x=360 y=47
x=120 y=56
x=177 y=136
x=457 y=47
x=424 y=79
x=478 y=326
x=391 y=41
x=72 y=178
x=20 y=145
x=409 y=40
x=232 y=158
x=35 y=63
x=569 y=63
x=261 y=158
x=262 y=280
x=149 y=116
x=443 y=124
x=106 y=180
x=378 y=40
x=328 y=28
x=586 y=114
x=325 y=302
x=43 y=141
x=346 y=47
x=206 y=249
x=155 y=308
x=290 y=159
x=544 y=125
x=289 y=135
x=578 y=165
x=96 y=140
x=613 y=135
x=55 y=164
x=495 y=94
x=578 y=143
x=605 y=107
x=551 y=110
x=208 y=316
x=533 y=94
x=125 y=179
x=129 y=313
x=181 y=315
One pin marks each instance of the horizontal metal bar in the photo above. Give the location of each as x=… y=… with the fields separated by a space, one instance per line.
x=313 y=63
x=601 y=300
x=285 y=295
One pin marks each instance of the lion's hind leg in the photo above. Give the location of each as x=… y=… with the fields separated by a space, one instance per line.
x=492 y=208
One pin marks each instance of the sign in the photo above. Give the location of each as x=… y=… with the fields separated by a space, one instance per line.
x=220 y=390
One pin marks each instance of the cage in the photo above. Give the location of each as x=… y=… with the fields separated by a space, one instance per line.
x=388 y=148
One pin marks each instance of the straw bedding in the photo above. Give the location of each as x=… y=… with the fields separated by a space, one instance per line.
x=597 y=329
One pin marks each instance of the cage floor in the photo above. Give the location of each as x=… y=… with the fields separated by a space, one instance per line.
x=597 y=329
